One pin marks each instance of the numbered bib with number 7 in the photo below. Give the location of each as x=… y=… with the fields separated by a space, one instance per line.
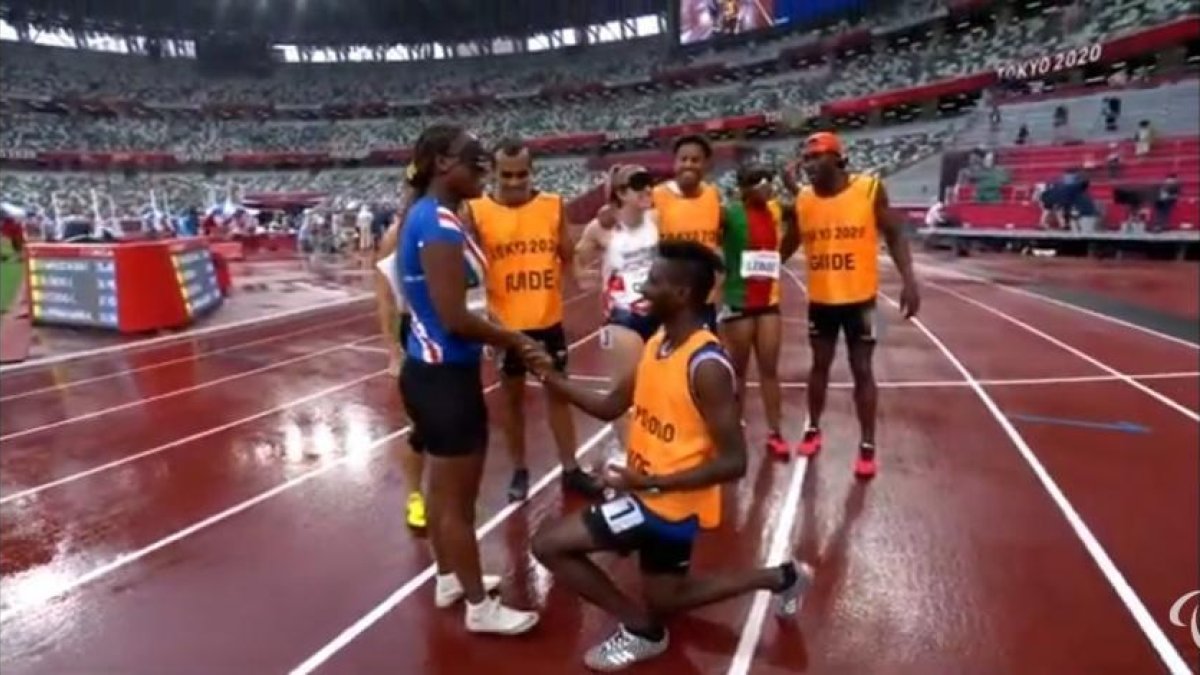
x=622 y=514
x=760 y=264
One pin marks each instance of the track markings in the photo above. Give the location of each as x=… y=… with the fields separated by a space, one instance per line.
x=1127 y=379
x=184 y=390
x=1137 y=609
x=389 y=603
x=189 y=334
x=962 y=384
x=946 y=271
x=69 y=585
x=184 y=359
x=108 y=466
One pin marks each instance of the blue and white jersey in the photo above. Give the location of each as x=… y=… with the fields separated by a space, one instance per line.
x=427 y=221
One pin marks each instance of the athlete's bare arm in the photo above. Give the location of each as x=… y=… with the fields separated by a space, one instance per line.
x=715 y=393
x=385 y=302
x=566 y=247
x=891 y=226
x=791 y=233
x=603 y=405
x=588 y=250
x=447 y=282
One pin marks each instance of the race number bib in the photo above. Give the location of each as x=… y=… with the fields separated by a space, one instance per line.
x=622 y=514
x=760 y=264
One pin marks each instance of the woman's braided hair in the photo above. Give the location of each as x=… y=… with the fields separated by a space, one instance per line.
x=433 y=142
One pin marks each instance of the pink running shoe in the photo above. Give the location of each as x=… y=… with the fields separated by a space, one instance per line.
x=777 y=446
x=865 y=466
x=811 y=443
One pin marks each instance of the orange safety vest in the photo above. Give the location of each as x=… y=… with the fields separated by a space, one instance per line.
x=667 y=433
x=841 y=242
x=524 y=274
x=693 y=218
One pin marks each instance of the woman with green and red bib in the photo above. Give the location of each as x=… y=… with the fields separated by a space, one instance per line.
x=759 y=235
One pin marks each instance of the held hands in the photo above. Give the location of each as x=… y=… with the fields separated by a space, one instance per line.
x=539 y=362
x=621 y=479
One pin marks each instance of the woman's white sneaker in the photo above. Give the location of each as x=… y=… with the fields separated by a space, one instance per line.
x=490 y=616
x=449 y=589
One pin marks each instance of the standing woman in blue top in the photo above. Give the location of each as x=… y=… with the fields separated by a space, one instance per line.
x=441 y=267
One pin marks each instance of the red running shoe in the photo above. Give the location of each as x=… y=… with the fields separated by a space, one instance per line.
x=777 y=446
x=865 y=466
x=811 y=443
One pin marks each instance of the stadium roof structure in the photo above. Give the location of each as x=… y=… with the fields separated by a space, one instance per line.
x=326 y=22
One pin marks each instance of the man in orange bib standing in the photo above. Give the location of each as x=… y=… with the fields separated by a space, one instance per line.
x=685 y=442
x=689 y=207
x=842 y=216
x=523 y=233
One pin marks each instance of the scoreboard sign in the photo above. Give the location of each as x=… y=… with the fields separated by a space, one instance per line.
x=197 y=279
x=131 y=287
x=75 y=290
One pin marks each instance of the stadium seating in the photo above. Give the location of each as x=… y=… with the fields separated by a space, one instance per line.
x=37 y=76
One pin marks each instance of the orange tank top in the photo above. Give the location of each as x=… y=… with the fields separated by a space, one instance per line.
x=692 y=218
x=841 y=242
x=668 y=434
x=524 y=279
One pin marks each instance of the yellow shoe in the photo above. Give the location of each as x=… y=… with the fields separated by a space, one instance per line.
x=416 y=510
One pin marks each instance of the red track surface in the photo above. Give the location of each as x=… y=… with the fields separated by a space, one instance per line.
x=256 y=544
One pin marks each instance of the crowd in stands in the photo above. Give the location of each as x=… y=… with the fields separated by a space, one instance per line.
x=916 y=62
x=348 y=188
x=29 y=71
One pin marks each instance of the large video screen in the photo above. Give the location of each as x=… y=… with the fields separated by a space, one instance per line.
x=702 y=20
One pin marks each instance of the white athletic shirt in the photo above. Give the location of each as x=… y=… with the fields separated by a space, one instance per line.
x=387 y=266
x=476 y=298
x=626 y=264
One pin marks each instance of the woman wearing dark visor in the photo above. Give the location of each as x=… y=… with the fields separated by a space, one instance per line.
x=442 y=270
x=759 y=236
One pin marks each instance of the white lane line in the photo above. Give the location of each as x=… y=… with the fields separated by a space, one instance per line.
x=368 y=348
x=189 y=334
x=1054 y=301
x=777 y=553
x=184 y=359
x=937 y=384
x=1158 y=396
x=176 y=392
x=187 y=439
x=408 y=588
x=50 y=593
x=1153 y=632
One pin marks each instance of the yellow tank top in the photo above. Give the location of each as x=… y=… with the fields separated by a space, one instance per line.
x=524 y=279
x=692 y=218
x=667 y=434
x=841 y=242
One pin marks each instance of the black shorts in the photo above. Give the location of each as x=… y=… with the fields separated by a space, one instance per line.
x=405 y=329
x=553 y=339
x=856 y=319
x=625 y=525
x=414 y=438
x=739 y=313
x=446 y=406
x=642 y=324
